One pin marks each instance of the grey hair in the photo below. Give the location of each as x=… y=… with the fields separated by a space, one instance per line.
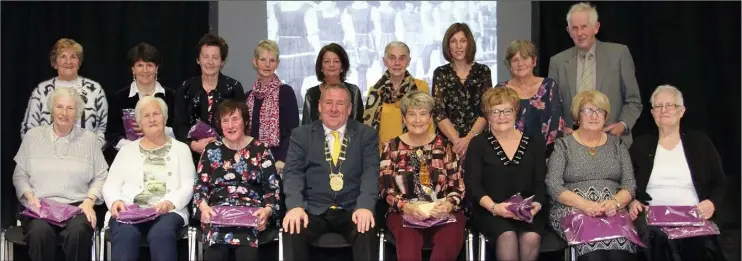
x=666 y=88
x=396 y=44
x=416 y=100
x=145 y=101
x=592 y=12
x=67 y=92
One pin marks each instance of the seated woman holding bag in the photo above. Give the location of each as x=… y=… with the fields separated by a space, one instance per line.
x=421 y=179
x=501 y=163
x=63 y=163
x=155 y=171
x=676 y=168
x=590 y=172
x=236 y=170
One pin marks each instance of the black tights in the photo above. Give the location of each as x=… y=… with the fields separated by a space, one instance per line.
x=508 y=246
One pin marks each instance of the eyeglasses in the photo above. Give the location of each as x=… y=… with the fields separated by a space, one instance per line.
x=506 y=112
x=590 y=112
x=666 y=106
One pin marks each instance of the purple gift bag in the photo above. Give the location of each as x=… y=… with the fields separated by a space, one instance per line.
x=413 y=222
x=234 y=216
x=580 y=228
x=129 y=118
x=53 y=212
x=201 y=130
x=521 y=207
x=707 y=229
x=673 y=216
x=136 y=215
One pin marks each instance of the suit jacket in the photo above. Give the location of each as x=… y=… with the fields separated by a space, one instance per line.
x=306 y=173
x=703 y=160
x=615 y=78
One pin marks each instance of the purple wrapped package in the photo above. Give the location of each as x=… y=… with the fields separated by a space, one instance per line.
x=201 y=130
x=129 y=118
x=707 y=229
x=521 y=207
x=673 y=216
x=412 y=222
x=136 y=215
x=53 y=212
x=234 y=216
x=580 y=228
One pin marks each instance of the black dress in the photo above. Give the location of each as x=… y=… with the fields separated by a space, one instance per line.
x=310 y=112
x=489 y=172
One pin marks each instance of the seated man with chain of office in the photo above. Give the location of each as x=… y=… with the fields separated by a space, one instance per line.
x=331 y=180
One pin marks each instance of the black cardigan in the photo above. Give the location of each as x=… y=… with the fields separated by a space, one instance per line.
x=703 y=160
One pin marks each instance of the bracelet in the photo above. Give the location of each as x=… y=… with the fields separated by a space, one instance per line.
x=91 y=198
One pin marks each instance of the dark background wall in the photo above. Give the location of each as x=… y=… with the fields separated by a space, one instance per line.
x=694 y=46
x=106 y=30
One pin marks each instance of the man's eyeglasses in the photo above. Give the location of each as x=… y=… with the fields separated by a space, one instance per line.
x=666 y=106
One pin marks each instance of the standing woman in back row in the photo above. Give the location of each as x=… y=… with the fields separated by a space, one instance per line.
x=458 y=87
x=198 y=97
x=331 y=68
x=271 y=105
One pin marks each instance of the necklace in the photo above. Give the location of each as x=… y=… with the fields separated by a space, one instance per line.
x=592 y=150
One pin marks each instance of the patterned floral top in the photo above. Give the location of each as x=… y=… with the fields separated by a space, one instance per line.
x=541 y=114
x=458 y=102
x=422 y=173
x=155 y=174
x=236 y=178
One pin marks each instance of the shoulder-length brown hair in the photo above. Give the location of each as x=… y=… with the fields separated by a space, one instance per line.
x=471 y=45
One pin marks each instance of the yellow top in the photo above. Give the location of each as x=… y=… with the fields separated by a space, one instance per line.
x=390 y=120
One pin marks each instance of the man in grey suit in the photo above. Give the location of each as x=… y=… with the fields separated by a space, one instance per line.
x=331 y=180
x=603 y=66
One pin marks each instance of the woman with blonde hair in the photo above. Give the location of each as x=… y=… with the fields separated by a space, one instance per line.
x=590 y=171
x=271 y=105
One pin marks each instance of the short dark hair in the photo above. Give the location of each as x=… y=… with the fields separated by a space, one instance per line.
x=229 y=106
x=340 y=52
x=471 y=45
x=210 y=39
x=144 y=52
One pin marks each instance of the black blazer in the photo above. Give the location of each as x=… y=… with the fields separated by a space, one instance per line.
x=306 y=174
x=703 y=160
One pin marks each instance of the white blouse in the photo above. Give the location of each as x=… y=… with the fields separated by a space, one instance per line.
x=670 y=183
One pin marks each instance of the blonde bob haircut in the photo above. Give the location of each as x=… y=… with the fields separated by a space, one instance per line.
x=266 y=45
x=417 y=100
x=500 y=95
x=596 y=98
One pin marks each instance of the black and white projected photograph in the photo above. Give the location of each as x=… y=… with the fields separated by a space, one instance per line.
x=364 y=28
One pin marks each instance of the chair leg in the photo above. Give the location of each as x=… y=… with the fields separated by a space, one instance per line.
x=102 y=245
x=92 y=247
x=108 y=251
x=200 y=250
x=280 y=244
x=482 y=247
x=191 y=244
x=10 y=246
x=3 y=249
x=381 y=245
x=469 y=246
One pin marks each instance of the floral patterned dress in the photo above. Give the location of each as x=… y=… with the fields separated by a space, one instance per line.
x=246 y=177
x=422 y=173
x=458 y=102
x=541 y=114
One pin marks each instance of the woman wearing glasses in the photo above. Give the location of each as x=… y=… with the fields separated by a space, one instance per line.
x=501 y=163
x=677 y=168
x=591 y=172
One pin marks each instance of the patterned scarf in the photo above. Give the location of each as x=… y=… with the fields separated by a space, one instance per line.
x=268 y=92
x=381 y=93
